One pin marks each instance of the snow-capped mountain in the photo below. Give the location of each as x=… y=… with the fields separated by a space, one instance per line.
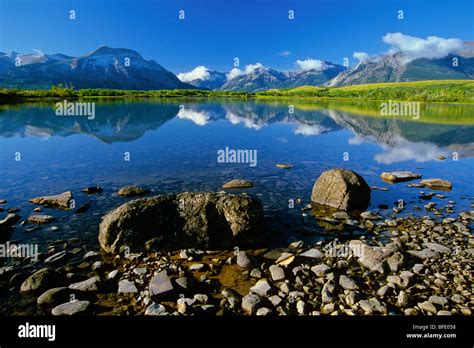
x=105 y=67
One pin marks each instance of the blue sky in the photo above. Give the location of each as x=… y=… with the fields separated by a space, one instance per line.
x=216 y=31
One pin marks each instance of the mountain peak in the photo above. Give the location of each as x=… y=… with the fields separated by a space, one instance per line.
x=106 y=50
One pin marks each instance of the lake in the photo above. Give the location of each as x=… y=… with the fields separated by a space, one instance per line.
x=172 y=145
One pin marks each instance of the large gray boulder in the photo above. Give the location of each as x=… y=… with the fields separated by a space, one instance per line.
x=341 y=189
x=183 y=220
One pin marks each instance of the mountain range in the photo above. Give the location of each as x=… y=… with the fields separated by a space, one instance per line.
x=105 y=67
x=120 y=68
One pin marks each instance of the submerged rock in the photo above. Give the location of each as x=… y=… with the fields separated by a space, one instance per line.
x=437 y=184
x=130 y=191
x=284 y=165
x=186 y=219
x=62 y=200
x=238 y=183
x=341 y=189
x=92 y=190
x=41 y=219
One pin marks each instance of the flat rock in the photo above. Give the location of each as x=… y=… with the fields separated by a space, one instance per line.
x=237 y=183
x=285 y=259
x=131 y=191
x=398 y=176
x=437 y=184
x=284 y=165
x=126 y=286
x=312 y=254
x=368 y=215
x=60 y=256
x=40 y=219
x=424 y=254
x=91 y=254
x=439 y=248
x=439 y=300
x=88 y=285
x=160 y=284
x=71 y=308
x=62 y=200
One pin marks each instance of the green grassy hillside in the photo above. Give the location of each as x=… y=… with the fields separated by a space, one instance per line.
x=442 y=91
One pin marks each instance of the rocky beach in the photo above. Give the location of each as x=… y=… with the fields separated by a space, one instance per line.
x=207 y=253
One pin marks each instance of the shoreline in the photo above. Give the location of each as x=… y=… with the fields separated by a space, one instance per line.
x=419 y=91
x=398 y=266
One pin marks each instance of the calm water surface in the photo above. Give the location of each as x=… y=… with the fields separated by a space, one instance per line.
x=173 y=147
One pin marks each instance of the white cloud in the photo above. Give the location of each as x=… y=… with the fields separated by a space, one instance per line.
x=201 y=118
x=414 y=47
x=198 y=73
x=285 y=53
x=311 y=64
x=404 y=150
x=307 y=129
x=361 y=56
x=249 y=69
x=248 y=123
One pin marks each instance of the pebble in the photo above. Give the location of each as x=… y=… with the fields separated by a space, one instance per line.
x=402 y=299
x=347 y=283
x=263 y=311
x=440 y=300
x=320 y=270
x=243 y=259
x=251 y=303
x=71 y=308
x=112 y=274
x=427 y=307
x=277 y=273
x=261 y=288
x=312 y=254
x=256 y=273
x=88 y=285
x=125 y=286
x=155 y=309
x=160 y=283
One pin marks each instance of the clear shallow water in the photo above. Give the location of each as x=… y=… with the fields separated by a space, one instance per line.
x=174 y=149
